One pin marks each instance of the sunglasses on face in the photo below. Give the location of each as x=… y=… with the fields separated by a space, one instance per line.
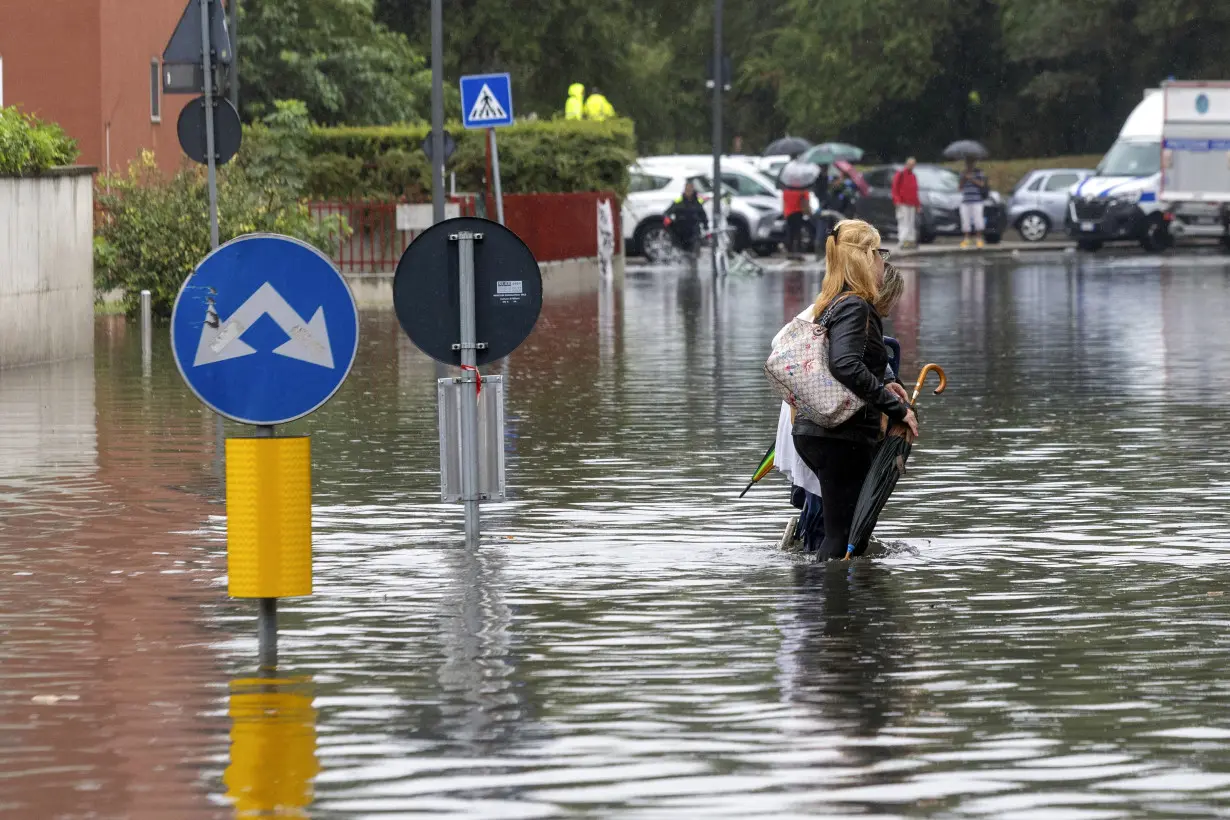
x=884 y=253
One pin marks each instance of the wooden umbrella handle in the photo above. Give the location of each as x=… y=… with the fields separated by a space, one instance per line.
x=922 y=377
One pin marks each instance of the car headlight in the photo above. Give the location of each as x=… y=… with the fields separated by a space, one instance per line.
x=1126 y=198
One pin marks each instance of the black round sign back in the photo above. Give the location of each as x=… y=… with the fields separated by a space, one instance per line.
x=227 y=130
x=507 y=290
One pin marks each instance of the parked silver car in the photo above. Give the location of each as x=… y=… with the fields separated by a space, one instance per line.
x=1040 y=201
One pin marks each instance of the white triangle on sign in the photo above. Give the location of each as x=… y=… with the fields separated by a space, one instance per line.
x=487 y=107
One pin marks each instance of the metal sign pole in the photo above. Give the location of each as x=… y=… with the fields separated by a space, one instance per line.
x=717 y=128
x=234 y=4
x=437 y=110
x=495 y=173
x=469 y=375
x=207 y=60
x=267 y=615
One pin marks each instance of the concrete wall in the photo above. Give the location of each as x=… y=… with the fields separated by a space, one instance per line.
x=563 y=278
x=46 y=267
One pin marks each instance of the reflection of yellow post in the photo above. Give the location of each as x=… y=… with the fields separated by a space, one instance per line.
x=273 y=747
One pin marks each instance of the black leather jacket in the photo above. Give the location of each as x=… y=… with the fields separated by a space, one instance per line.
x=858 y=359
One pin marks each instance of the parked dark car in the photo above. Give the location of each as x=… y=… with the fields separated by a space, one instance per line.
x=941 y=200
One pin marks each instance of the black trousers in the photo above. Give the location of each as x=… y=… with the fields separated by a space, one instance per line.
x=794 y=232
x=841 y=467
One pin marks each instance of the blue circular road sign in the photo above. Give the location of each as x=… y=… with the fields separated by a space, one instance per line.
x=265 y=330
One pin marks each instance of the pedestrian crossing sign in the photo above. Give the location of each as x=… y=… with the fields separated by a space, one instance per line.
x=486 y=100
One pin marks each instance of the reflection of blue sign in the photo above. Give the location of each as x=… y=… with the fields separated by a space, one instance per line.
x=1202 y=103
x=486 y=100
x=265 y=330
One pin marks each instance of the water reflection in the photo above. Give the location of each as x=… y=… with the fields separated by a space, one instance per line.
x=273 y=747
x=48 y=421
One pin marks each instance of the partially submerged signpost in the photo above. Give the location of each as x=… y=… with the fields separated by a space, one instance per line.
x=265 y=378
x=468 y=292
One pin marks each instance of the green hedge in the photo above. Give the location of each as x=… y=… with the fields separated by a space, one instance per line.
x=30 y=146
x=154 y=230
x=547 y=156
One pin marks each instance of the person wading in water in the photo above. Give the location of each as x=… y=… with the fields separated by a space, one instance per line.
x=850 y=306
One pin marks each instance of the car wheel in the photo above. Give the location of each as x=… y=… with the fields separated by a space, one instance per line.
x=655 y=241
x=926 y=237
x=765 y=248
x=1033 y=227
x=1157 y=237
x=1090 y=245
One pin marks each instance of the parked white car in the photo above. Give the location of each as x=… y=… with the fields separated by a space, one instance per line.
x=751 y=203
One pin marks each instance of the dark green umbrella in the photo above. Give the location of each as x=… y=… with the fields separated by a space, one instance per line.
x=886 y=468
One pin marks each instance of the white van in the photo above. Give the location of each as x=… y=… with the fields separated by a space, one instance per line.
x=1120 y=201
x=1196 y=159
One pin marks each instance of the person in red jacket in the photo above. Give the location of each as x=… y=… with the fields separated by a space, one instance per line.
x=796 y=206
x=907 y=203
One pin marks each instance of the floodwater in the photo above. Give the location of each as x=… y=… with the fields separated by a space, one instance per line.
x=1048 y=639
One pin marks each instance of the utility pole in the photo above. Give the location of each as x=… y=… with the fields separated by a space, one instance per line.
x=437 y=111
x=234 y=5
x=718 y=79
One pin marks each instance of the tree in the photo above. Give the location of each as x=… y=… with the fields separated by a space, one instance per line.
x=332 y=55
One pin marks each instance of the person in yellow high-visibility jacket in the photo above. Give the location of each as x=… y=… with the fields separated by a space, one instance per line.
x=574 y=108
x=597 y=107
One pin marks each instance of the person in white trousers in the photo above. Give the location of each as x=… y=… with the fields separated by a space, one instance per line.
x=906 y=203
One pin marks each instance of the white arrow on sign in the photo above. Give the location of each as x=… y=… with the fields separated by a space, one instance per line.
x=309 y=341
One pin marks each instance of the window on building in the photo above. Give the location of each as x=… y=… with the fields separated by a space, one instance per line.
x=155 y=90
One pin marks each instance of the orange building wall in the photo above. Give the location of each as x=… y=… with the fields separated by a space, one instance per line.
x=133 y=32
x=85 y=64
x=51 y=65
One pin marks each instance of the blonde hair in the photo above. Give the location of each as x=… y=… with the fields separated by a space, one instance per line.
x=849 y=263
x=890 y=290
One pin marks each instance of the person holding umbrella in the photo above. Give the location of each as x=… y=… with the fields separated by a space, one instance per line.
x=795 y=179
x=850 y=307
x=973 y=208
x=974 y=188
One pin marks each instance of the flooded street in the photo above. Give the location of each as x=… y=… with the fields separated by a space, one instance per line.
x=1048 y=636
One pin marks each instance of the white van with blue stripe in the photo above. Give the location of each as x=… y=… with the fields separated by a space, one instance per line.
x=1120 y=201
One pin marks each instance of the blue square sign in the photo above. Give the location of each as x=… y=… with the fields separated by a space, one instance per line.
x=486 y=100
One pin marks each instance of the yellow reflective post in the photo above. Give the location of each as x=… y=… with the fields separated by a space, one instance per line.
x=269 y=517
x=273 y=747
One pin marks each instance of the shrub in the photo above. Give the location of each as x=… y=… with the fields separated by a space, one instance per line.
x=29 y=146
x=154 y=231
x=547 y=156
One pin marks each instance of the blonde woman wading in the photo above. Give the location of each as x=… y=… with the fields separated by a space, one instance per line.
x=851 y=305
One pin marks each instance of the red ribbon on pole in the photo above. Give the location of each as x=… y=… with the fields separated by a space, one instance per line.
x=479 y=390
